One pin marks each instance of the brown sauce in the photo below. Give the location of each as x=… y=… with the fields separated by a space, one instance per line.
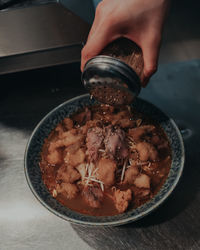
x=147 y=153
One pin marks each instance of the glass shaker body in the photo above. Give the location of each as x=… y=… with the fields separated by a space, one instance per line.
x=114 y=76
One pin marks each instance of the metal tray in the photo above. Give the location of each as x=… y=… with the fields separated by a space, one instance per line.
x=42 y=35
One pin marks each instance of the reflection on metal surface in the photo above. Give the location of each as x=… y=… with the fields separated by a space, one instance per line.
x=19 y=211
x=24 y=223
x=40 y=36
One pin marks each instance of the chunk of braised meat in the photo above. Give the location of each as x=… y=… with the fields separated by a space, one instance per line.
x=83 y=117
x=126 y=123
x=159 y=142
x=106 y=171
x=133 y=157
x=119 y=116
x=73 y=147
x=140 y=193
x=68 y=138
x=115 y=144
x=70 y=191
x=93 y=196
x=50 y=176
x=64 y=134
x=156 y=140
x=68 y=123
x=60 y=130
x=144 y=192
x=142 y=181
x=74 y=158
x=122 y=199
x=121 y=119
x=131 y=174
x=139 y=133
x=94 y=141
x=150 y=168
x=54 y=157
x=90 y=124
x=157 y=167
x=67 y=174
x=147 y=151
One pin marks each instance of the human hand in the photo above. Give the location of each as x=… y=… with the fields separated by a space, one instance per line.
x=138 y=20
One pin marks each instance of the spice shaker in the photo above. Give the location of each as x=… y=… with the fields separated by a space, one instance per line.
x=113 y=77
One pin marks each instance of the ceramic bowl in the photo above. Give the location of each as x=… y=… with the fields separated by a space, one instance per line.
x=49 y=122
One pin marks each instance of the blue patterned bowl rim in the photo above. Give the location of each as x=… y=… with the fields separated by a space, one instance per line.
x=39 y=190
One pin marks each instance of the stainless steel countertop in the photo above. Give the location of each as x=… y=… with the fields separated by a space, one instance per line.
x=25 y=224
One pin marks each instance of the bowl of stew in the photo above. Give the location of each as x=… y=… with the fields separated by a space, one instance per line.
x=96 y=164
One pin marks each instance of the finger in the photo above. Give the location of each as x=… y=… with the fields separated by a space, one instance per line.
x=150 y=54
x=96 y=43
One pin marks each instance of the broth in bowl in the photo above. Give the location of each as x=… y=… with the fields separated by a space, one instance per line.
x=104 y=160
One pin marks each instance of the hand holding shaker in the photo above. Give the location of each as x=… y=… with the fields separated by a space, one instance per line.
x=114 y=76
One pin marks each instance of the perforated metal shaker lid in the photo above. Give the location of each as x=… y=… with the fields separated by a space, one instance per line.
x=110 y=81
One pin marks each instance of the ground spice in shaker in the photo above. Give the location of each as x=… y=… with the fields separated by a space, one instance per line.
x=113 y=77
x=128 y=52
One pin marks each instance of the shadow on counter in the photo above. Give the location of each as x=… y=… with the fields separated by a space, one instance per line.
x=26 y=97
